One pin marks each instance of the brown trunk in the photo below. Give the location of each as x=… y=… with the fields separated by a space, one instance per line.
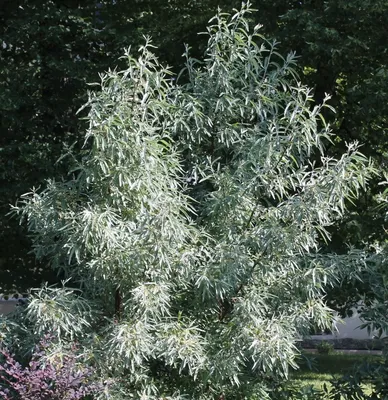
x=118 y=304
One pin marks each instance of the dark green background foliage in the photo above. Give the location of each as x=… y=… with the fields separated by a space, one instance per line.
x=49 y=50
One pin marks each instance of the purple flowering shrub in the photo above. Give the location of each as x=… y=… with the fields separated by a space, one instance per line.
x=59 y=378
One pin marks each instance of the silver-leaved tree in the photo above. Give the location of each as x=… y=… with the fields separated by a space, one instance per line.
x=189 y=233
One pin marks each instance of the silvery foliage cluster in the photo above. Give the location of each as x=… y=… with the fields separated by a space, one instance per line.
x=217 y=278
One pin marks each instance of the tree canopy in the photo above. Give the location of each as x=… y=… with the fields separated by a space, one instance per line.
x=189 y=229
x=64 y=44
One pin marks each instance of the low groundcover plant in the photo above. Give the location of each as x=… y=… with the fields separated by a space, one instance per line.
x=45 y=378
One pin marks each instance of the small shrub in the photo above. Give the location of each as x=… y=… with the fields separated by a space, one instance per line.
x=57 y=378
x=325 y=348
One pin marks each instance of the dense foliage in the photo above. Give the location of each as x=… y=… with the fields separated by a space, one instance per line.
x=192 y=224
x=49 y=50
x=341 y=49
x=351 y=385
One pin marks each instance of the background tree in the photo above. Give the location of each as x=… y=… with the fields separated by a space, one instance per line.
x=178 y=297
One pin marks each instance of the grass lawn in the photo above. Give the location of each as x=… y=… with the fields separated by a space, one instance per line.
x=324 y=367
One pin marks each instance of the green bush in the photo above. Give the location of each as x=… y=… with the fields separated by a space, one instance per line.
x=325 y=347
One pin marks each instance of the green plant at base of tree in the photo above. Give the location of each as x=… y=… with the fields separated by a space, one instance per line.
x=191 y=226
x=325 y=347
